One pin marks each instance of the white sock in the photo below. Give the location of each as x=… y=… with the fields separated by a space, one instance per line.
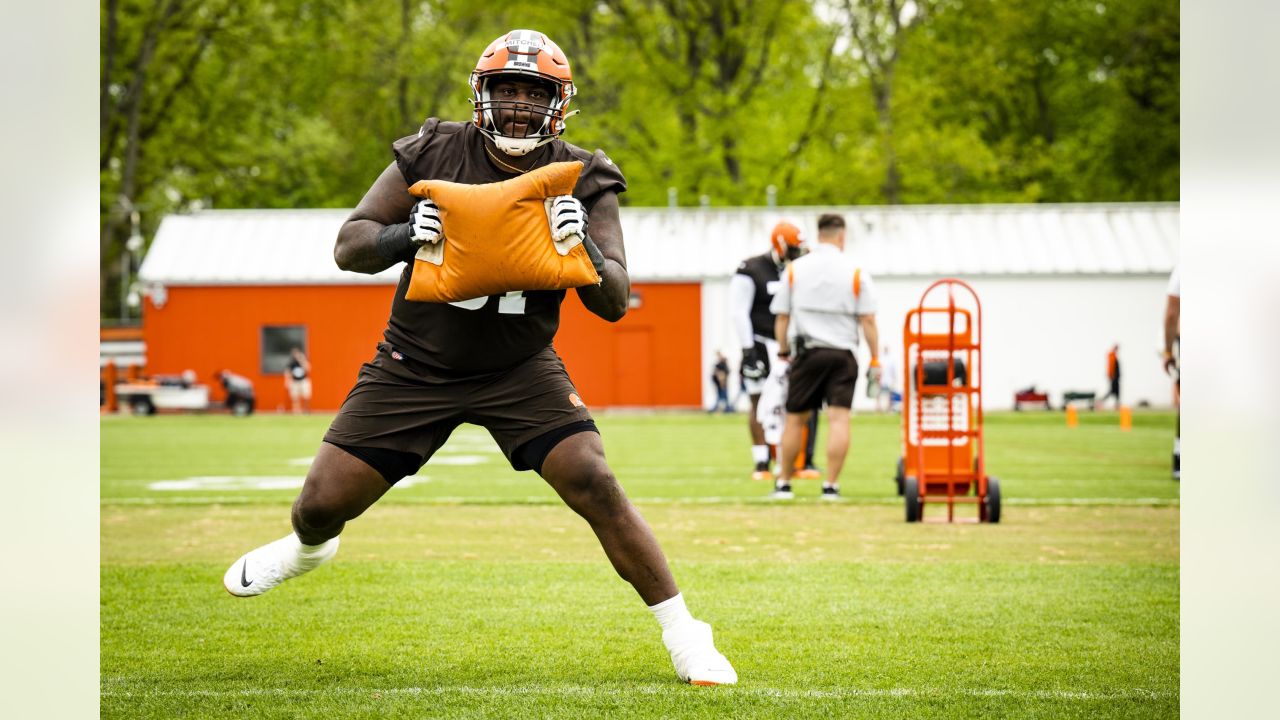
x=305 y=549
x=760 y=453
x=671 y=612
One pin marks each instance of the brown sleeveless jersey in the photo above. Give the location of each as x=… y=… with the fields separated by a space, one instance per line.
x=481 y=335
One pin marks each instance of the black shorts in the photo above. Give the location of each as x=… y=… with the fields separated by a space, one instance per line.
x=821 y=374
x=406 y=407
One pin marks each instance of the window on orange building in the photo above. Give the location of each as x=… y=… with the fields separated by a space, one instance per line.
x=277 y=342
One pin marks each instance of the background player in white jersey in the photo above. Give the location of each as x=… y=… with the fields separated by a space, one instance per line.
x=821 y=304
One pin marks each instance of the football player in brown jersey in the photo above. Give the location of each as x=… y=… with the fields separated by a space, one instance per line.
x=751 y=289
x=487 y=360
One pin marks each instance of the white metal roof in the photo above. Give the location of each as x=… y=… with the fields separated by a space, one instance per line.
x=216 y=247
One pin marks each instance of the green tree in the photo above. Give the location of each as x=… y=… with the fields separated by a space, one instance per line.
x=294 y=103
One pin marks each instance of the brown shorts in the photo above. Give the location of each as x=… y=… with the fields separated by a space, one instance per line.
x=821 y=374
x=398 y=404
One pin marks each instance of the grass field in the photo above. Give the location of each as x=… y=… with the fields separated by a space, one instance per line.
x=471 y=592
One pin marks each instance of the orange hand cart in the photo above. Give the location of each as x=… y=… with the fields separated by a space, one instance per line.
x=942 y=445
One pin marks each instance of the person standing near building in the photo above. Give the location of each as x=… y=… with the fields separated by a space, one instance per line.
x=720 y=379
x=889 y=386
x=297 y=380
x=1113 y=375
x=1172 y=349
x=751 y=289
x=489 y=360
x=821 y=305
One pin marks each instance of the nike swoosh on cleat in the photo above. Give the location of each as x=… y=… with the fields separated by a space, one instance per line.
x=244 y=580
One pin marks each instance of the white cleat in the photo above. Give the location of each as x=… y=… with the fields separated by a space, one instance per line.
x=695 y=656
x=257 y=571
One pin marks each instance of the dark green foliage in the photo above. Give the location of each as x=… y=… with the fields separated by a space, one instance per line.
x=293 y=103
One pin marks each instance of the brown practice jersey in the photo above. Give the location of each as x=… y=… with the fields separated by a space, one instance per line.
x=764 y=272
x=481 y=335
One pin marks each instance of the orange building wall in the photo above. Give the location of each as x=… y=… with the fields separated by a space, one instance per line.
x=649 y=358
x=207 y=329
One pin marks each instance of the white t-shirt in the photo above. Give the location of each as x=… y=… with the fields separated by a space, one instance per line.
x=817 y=292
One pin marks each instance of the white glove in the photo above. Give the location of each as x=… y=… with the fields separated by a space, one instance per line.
x=567 y=217
x=424 y=223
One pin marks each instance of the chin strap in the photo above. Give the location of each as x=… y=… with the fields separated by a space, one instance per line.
x=518 y=147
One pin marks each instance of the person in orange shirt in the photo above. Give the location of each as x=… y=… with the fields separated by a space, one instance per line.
x=1113 y=375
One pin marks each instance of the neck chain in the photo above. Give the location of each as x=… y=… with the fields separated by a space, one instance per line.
x=509 y=167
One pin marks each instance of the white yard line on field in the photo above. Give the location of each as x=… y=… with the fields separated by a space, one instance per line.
x=613 y=691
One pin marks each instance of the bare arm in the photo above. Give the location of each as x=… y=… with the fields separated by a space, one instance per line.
x=781 y=322
x=387 y=202
x=872 y=334
x=1172 y=315
x=608 y=299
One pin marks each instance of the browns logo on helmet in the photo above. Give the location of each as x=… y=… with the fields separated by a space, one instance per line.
x=522 y=54
x=787 y=241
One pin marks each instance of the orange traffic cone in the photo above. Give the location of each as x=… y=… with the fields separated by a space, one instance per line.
x=1073 y=418
x=1126 y=419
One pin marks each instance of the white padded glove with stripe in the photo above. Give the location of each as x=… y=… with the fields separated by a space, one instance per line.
x=424 y=223
x=567 y=217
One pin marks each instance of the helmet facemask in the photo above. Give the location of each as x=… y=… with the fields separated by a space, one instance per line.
x=541 y=123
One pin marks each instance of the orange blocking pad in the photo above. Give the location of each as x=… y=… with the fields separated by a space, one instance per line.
x=497 y=239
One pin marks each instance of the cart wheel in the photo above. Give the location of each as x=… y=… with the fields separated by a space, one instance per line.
x=991 y=503
x=911 y=497
x=900 y=475
x=142 y=406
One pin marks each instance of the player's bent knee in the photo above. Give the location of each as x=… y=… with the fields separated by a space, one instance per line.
x=593 y=491
x=315 y=514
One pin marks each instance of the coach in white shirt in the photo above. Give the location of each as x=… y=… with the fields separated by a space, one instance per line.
x=820 y=306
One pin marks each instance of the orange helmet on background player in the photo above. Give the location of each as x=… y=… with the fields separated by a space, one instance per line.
x=787 y=241
x=526 y=54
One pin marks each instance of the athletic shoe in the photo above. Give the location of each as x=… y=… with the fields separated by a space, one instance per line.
x=809 y=473
x=782 y=492
x=695 y=656
x=257 y=571
x=762 y=475
x=830 y=493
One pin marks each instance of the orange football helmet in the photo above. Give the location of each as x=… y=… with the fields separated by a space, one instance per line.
x=532 y=55
x=787 y=240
